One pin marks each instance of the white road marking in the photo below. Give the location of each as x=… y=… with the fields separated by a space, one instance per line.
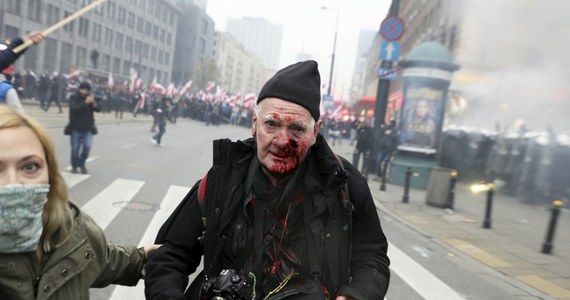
x=173 y=196
x=127 y=146
x=73 y=179
x=418 y=278
x=88 y=160
x=101 y=208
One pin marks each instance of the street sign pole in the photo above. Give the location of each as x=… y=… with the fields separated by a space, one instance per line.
x=382 y=92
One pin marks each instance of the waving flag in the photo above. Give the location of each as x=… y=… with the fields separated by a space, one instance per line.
x=186 y=88
x=210 y=85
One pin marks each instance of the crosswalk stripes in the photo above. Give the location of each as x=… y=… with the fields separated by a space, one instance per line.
x=418 y=278
x=169 y=203
x=101 y=209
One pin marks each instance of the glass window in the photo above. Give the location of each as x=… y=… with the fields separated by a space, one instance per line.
x=140 y=24
x=119 y=41
x=111 y=10
x=34 y=10
x=83 y=27
x=131 y=20
x=116 y=65
x=81 y=59
x=52 y=14
x=108 y=36
x=65 y=57
x=121 y=16
x=14 y=6
x=68 y=26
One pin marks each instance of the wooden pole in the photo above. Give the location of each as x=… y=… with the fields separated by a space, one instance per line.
x=77 y=14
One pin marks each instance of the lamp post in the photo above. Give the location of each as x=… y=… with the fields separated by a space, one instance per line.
x=334 y=48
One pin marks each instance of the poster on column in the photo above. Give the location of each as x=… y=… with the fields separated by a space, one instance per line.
x=422 y=115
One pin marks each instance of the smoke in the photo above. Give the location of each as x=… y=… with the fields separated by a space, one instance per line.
x=515 y=53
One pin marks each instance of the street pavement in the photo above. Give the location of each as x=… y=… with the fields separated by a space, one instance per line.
x=511 y=248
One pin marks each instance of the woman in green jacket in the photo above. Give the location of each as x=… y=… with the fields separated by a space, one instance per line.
x=49 y=248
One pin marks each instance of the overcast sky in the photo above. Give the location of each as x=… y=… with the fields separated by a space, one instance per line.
x=307 y=28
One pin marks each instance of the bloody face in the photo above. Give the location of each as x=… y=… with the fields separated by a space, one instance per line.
x=284 y=132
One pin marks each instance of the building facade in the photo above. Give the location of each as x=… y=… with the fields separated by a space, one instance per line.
x=194 y=41
x=112 y=38
x=260 y=37
x=239 y=71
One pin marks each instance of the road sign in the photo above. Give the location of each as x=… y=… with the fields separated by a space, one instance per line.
x=386 y=73
x=389 y=50
x=392 y=28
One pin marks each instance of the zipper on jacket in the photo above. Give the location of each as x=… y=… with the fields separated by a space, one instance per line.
x=36 y=283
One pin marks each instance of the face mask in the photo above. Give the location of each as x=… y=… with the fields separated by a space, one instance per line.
x=21 y=207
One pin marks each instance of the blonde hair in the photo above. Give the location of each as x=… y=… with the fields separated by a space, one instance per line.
x=57 y=218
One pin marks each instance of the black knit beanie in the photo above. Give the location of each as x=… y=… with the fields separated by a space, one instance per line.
x=299 y=83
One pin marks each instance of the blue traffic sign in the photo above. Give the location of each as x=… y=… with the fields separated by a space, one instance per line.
x=389 y=50
x=392 y=28
x=386 y=73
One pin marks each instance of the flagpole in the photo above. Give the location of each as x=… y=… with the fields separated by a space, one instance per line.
x=28 y=42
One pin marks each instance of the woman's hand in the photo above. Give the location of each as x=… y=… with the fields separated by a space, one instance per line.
x=150 y=248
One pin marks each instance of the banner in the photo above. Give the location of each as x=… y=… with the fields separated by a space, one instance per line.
x=422 y=114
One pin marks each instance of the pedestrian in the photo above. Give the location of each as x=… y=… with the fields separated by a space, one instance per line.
x=386 y=145
x=279 y=210
x=8 y=94
x=363 y=145
x=7 y=55
x=161 y=114
x=55 y=92
x=82 y=104
x=49 y=247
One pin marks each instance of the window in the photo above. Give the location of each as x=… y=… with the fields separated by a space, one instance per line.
x=138 y=47
x=111 y=10
x=83 y=27
x=155 y=32
x=65 y=57
x=140 y=24
x=121 y=16
x=153 y=53
x=14 y=6
x=168 y=38
x=119 y=41
x=81 y=60
x=145 y=50
x=52 y=14
x=108 y=36
x=97 y=28
x=34 y=10
x=126 y=67
x=129 y=45
x=160 y=56
x=166 y=58
x=131 y=20
x=68 y=26
x=162 y=35
x=106 y=62
x=202 y=46
x=204 y=27
x=171 y=16
x=116 y=65
x=148 y=28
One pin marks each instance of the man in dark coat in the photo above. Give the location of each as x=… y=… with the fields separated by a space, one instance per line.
x=82 y=104
x=280 y=211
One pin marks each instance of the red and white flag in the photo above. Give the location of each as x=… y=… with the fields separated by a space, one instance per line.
x=210 y=85
x=186 y=88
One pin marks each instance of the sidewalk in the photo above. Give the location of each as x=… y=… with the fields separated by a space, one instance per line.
x=511 y=247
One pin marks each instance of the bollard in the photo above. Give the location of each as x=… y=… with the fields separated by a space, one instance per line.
x=489 y=207
x=547 y=246
x=383 y=178
x=451 y=196
x=366 y=164
x=406 y=197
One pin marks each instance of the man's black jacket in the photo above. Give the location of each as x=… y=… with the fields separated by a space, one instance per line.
x=365 y=276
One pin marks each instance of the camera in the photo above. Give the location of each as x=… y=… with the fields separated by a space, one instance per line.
x=227 y=286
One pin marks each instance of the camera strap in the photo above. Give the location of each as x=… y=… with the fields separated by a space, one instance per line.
x=311 y=245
